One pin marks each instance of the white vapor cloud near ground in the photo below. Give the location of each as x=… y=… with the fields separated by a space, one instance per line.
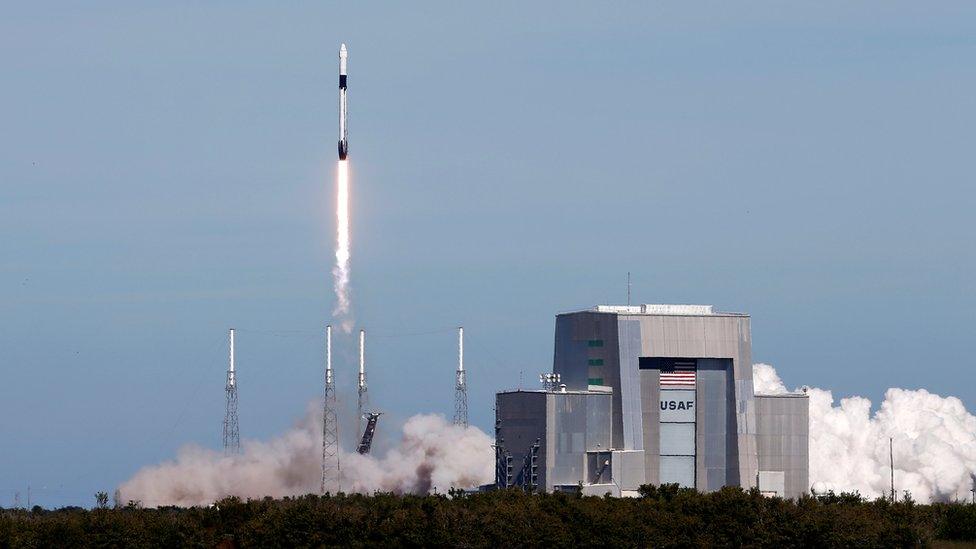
x=934 y=442
x=432 y=454
x=934 y=453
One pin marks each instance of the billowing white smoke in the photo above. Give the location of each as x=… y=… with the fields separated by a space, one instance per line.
x=340 y=273
x=934 y=442
x=432 y=454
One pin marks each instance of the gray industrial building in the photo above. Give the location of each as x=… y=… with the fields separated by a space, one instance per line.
x=652 y=394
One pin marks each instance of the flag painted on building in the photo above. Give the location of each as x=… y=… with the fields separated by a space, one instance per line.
x=678 y=375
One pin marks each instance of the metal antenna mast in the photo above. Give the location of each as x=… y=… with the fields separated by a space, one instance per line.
x=232 y=437
x=628 y=288
x=363 y=395
x=891 y=458
x=330 y=424
x=461 y=387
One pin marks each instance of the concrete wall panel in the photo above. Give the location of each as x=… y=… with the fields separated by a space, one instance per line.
x=783 y=440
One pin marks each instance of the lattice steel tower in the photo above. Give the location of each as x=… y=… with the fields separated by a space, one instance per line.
x=232 y=436
x=363 y=406
x=461 y=386
x=330 y=425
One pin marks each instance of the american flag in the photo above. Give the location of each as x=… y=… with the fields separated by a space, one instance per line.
x=680 y=375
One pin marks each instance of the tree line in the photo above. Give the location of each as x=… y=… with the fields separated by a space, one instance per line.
x=663 y=516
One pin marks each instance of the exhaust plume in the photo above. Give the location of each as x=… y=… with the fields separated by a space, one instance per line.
x=934 y=442
x=340 y=273
x=432 y=454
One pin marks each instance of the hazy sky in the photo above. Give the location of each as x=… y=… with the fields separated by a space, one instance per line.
x=167 y=172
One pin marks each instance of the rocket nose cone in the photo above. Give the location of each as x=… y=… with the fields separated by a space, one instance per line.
x=342 y=48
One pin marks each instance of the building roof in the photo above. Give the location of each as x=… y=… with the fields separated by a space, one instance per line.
x=782 y=395
x=555 y=392
x=658 y=310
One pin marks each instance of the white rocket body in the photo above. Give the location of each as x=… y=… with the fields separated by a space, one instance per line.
x=343 y=136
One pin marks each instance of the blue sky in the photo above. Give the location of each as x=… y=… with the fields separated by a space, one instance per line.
x=166 y=172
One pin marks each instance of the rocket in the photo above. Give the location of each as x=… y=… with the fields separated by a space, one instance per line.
x=343 y=138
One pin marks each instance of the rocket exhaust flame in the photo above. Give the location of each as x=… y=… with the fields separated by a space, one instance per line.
x=340 y=272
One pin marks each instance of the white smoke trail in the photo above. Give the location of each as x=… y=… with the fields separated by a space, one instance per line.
x=934 y=441
x=432 y=454
x=340 y=272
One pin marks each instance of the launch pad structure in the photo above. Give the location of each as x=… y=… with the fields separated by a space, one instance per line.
x=232 y=437
x=366 y=444
x=330 y=425
x=460 y=386
x=363 y=392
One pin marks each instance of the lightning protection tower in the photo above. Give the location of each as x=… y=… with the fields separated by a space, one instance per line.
x=232 y=438
x=460 y=386
x=330 y=424
x=363 y=406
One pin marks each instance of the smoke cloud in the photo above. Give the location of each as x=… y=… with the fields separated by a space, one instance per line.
x=432 y=454
x=934 y=441
x=934 y=454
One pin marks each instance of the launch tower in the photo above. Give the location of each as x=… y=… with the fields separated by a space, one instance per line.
x=330 y=424
x=232 y=438
x=363 y=406
x=460 y=386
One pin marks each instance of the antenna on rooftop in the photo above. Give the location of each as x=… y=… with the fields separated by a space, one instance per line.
x=628 y=288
